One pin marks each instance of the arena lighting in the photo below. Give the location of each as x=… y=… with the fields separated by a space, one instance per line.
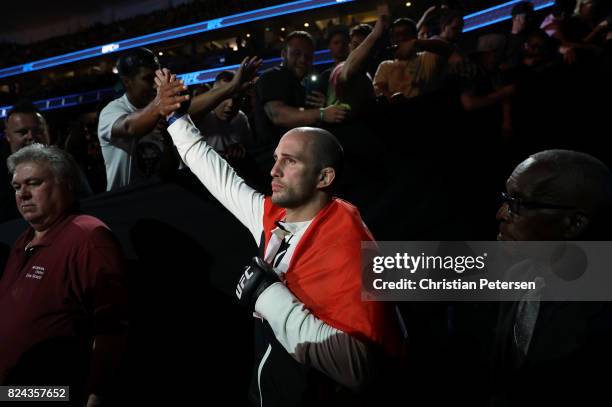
x=208 y=75
x=68 y=100
x=166 y=35
x=496 y=14
x=192 y=78
x=473 y=21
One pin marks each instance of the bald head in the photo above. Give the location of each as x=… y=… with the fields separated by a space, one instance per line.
x=25 y=126
x=323 y=148
x=306 y=163
x=570 y=177
x=561 y=195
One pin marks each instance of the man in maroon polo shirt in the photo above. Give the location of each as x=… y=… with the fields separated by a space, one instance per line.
x=62 y=295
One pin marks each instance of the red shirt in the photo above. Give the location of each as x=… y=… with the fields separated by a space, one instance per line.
x=69 y=285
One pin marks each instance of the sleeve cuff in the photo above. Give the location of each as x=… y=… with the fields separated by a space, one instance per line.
x=183 y=131
x=174 y=118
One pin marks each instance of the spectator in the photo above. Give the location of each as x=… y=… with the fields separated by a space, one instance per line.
x=349 y=81
x=338 y=43
x=486 y=96
x=352 y=87
x=540 y=50
x=62 y=294
x=412 y=73
x=522 y=23
x=553 y=22
x=554 y=195
x=429 y=24
x=580 y=35
x=24 y=125
x=539 y=94
x=586 y=25
x=281 y=102
x=226 y=127
x=132 y=130
x=482 y=92
x=458 y=64
x=451 y=26
x=282 y=97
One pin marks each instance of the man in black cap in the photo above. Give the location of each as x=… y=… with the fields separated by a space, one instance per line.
x=132 y=129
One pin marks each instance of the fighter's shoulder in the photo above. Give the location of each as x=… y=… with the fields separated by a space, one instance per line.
x=348 y=217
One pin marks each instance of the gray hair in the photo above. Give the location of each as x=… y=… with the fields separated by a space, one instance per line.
x=65 y=170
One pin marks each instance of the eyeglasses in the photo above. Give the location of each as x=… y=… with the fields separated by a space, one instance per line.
x=515 y=204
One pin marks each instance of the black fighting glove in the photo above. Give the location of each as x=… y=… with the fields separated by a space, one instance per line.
x=257 y=276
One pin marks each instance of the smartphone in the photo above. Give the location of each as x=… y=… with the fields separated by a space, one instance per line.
x=312 y=83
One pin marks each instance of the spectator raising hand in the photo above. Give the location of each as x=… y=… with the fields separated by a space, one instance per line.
x=169 y=89
x=246 y=75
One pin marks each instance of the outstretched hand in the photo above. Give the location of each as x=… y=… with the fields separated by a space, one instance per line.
x=245 y=76
x=169 y=89
x=381 y=26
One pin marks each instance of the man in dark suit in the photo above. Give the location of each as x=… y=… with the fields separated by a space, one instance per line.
x=554 y=353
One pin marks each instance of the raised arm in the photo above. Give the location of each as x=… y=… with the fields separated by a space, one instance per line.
x=436 y=46
x=136 y=124
x=212 y=170
x=204 y=103
x=597 y=32
x=143 y=121
x=425 y=17
x=357 y=59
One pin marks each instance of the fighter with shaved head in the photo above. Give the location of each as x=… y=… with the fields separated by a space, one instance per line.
x=315 y=339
